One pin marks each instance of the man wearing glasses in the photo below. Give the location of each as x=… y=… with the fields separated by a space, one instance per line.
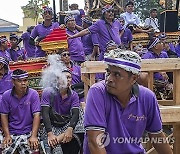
x=107 y=28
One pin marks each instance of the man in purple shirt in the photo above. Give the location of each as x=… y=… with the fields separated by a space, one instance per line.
x=4 y=47
x=75 y=45
x=90 y=41
x=20 y=115
x=30 y=49
x=126 y=36
x=107 y=28
x=122 y=110
x=77 y=13
x=5 y=76
x=59 y=99
x=177 y=48
x=16 y=52
x=42 y=30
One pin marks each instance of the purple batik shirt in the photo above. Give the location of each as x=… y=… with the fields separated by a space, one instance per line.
x=75 y=47
x=89 y=41
x=151 y=55
x=61 y=106
x=76 y=74
x=127 y=37
x=30 y=49
x=20 y=111
x=78 y=18
x=106 y=32
x=5 y=54
x=104 y=112
x=177 y=49
x=19 y=54
x=41 y=31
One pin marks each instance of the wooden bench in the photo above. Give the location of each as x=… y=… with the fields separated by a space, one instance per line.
x=170 y=114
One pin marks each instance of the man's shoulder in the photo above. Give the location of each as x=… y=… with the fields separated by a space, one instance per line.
x=99 y=86
x=144 y=91
x=7 y=93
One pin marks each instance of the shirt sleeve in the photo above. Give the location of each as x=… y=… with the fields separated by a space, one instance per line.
x=154 y=122
x=35 y=104
x=95 y=39
x=95 y=118
x=137 y=21
x=34 y=32
x=75 y=100
x=94 y=28
x=45 y=99
x=24 y=36
x=147 y=22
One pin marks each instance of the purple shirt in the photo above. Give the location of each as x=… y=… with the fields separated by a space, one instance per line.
x=76 y=74
x=30 y=49
x=61 y=106
x=42 y=31
x=151 y=55
x=78 y=17
x=20 y=111
x=6 y=82
x=75 y=47
x=127 y=37
x=5 y=54
x=105 y=113
x=177 y=49
x=89 y=41
x=106 y=33
x=19 y=54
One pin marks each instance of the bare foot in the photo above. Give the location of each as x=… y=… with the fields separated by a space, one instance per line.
x=60 y=137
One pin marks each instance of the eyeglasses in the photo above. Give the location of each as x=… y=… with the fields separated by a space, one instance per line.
x=65 y=54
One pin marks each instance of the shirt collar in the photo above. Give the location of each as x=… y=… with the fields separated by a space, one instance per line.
x=13 y=91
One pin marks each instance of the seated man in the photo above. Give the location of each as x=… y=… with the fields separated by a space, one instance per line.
x=162 y=88
x=131 y=20
x=118 y=109
x=58 y=100
x=152 y=21
x=5 y=84
x=20 y=116
x=15 y=51
x=3 y=48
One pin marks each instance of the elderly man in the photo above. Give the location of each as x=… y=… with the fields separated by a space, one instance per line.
x=107 y=28
x=42 y=30
x=20 y=116
x=122 y=110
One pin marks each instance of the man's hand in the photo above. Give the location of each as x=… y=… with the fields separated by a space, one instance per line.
x=52 y=139
x=7 y=141
x=33 y=142
x=68 y=135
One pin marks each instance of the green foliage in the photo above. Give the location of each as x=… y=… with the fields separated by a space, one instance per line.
x=142 y=7
x=34 y=8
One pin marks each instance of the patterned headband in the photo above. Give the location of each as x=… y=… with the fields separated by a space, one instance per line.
x=154 y=43
x=106 y=8
x=127 y=60
x=20 y=76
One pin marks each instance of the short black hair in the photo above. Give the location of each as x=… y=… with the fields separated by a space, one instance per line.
x=129 y=3
x=153 y=9
x=19 y=72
